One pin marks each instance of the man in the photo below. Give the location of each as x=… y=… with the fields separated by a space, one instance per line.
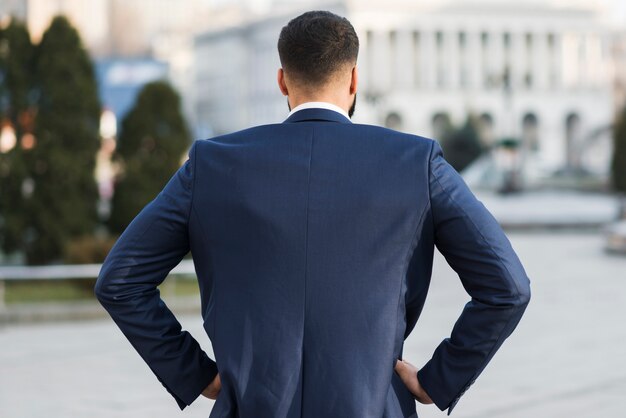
x=313 y=242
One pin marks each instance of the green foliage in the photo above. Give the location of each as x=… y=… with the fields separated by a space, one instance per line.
x=151 y=145
x=618 y=166
x=462 y=146
x=63 y=202
x=46 y=291
x=16 y=71
x=88 y=249
x=16 y=109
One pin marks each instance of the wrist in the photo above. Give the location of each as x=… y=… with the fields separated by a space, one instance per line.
x=422 y=396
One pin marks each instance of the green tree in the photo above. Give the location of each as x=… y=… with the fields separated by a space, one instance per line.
x=618 y=166
x=63 y=202
x=462 y=146
x=17 y=110
x=151 y=145
x=16 y=72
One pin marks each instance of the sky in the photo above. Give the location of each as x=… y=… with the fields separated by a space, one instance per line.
x=615 y=9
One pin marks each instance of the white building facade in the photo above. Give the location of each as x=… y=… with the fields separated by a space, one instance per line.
x=527 y=71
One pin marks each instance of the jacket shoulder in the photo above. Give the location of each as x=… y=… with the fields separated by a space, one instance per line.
x=235 y=136
x=372 y=131
x=410 y=139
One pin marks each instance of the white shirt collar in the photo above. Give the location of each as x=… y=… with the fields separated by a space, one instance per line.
x=318 y=105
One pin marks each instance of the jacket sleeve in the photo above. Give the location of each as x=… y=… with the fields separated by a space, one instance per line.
x=475 y=246
x=152 y=245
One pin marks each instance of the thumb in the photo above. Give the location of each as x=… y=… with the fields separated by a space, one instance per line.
x=408 y=364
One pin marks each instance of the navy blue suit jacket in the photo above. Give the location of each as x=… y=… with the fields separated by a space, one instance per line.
x=313 y=243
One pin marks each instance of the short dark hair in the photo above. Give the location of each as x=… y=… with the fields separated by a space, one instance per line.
x=314 y=45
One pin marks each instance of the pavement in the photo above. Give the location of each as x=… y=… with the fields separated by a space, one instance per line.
x=553 y=209
x=565 y=359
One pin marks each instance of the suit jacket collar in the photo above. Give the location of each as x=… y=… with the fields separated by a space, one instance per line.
x=317 y=114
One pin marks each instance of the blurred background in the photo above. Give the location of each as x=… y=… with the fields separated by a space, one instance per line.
x=100 y=101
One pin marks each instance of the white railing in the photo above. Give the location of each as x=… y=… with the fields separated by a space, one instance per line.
x=69 y=271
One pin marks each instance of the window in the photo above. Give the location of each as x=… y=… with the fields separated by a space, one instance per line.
x=530 y=131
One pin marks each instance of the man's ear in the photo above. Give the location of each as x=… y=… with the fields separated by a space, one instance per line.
x=355 y=80
x=281 y=82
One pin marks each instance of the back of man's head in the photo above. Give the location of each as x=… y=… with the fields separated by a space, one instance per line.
x=315 y=46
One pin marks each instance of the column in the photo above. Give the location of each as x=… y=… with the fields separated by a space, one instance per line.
x=570 y=60
x=404 y=59
x=379 y=61
x=428 y=58
x=385 y=62
x=496 y=51
x=418 y=70
x=592 y=60
x=557 y=61
x=474 y=60
x=583 y=60
x=602 y=65
x=519 y=60
x=540 y=60
x=451 y=61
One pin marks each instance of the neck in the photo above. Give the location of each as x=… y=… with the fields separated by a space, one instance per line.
x=296 y=100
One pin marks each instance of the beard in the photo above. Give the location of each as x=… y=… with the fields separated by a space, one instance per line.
x=352 y=107
x=350 y=111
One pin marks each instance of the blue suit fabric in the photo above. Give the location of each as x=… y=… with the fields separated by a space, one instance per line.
x=313 y=242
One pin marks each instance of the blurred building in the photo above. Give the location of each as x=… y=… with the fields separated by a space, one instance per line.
x=126 y=29
x=548 y=73
x=14 y=8
x=235 y=72
x=619 y=67
x=531 y=71
x=117 y=27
